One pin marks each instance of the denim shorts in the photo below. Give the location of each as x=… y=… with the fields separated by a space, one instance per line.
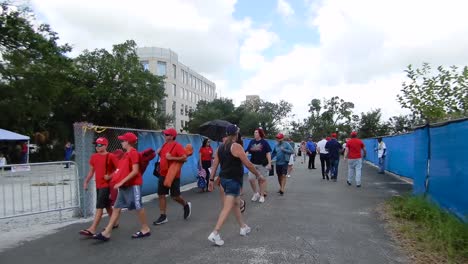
x=231 y=187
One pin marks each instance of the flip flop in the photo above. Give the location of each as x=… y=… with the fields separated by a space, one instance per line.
x=86 y=232
x=100 y=236
x=140 y=234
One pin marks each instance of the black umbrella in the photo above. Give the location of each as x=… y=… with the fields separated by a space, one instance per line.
x=214 y=129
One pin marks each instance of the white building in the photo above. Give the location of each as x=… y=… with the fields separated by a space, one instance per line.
x=184 y=87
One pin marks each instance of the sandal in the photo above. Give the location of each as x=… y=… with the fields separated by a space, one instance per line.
x=86 y=232
x=140 y=234
x=100 y=236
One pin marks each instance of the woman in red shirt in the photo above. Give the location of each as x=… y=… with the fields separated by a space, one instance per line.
x=205 y=157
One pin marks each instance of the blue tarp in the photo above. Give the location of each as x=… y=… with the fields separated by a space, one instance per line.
x=443 y=177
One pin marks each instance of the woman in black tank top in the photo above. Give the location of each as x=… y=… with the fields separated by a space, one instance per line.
x=231 y=156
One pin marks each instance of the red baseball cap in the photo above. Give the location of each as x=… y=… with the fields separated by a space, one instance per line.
x=328 y=139
x=129 y=137
x=280 y=136
x=102 y=141
x=170 y=131
x=333 y=135
x=354 y=133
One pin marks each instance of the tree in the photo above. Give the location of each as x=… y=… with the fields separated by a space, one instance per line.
x=114 y=89
x=402 y=123
x=436 y=96
x=222 y=108
x=370 y=124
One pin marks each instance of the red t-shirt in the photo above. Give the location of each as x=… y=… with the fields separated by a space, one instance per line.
x=125 y=167
x=98 y=162
x=206 y=153
x=355 y=147
x=176 y=150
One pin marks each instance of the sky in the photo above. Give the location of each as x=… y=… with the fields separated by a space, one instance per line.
x=293 y=50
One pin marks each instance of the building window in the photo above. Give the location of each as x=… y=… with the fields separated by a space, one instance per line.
x=181 y=124
x=145 y=65
x=174 y=69
x=182 y=109
x=162 y=71
x=186 y=110
x=174 y=89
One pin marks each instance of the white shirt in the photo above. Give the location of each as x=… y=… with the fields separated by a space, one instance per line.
x=321 y=146
x=2 y=161
x=380 y=149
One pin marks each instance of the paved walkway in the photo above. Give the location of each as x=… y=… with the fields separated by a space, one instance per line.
x=314 y=222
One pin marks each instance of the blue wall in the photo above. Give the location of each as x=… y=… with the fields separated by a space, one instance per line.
x=446 y=171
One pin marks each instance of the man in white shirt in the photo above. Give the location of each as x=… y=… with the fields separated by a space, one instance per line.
x=381 y=153
x=324 y=159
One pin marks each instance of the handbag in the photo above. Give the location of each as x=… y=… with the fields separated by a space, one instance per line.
x=156 y=168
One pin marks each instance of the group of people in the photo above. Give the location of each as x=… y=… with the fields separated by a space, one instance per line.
x=113 y=173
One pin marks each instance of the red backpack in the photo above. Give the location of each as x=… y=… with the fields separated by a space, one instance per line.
x=144 y=158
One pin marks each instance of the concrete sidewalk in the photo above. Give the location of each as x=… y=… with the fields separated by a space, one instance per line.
x=316 y=221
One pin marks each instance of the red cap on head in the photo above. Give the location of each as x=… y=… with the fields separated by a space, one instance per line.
x=333 y=135
x=102 y=141
x=170 y=131
x=328 y=138
x=353 y=134
x=129 y=137
x=280 y=136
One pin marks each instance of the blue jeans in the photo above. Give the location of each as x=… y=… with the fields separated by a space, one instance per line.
x=334 y=168
x=382 y=164
x=354 y=170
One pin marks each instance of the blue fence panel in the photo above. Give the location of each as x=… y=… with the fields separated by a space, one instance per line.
x=421 y=155
x=155 y=141
x=448 y=178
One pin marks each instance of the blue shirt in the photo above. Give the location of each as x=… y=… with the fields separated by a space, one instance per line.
x=333 y=148
x=311 y=146
x=258 y=151
x=283 y=152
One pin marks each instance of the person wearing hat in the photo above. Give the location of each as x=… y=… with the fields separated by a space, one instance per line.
x=231 y=156
x=101 y=165
x=354 y=152
x=283 y=152
x=171 y=151
x=333 y=147
x=311 y=152
x=128 y=180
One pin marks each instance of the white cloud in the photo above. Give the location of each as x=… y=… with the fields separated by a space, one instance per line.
x=363 y=49
x=256 y=41
x=201 y=32
x=284 y=8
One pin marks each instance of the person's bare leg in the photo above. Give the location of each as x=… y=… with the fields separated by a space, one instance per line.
x=283 y=182
x=162 y=204
x=114 y=219
x=96 y=221
x=142 y=218
x=262 y=186
x=223 y=215
x=253 y=184
x=237 y=212
x=180 y=200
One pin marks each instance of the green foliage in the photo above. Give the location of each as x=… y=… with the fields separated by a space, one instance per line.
x=435 y=96
x=443 y=232
x=370 y=125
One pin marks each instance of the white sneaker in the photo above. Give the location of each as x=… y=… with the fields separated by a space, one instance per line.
x=245 y=230
x=289 y=176
x=262 y=199
x=216 y=238
x=255 y=197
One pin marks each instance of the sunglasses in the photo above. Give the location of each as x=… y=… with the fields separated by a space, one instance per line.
x=99 y=145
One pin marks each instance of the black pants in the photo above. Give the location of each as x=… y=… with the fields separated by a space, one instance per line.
x=206 y=164
x=325 y=163
x=311 y=160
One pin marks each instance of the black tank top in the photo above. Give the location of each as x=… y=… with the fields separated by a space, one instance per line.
x=231 y=167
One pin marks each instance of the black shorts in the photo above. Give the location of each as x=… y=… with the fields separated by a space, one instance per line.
x=282 y=169
x=103 y=198
x=175 y=187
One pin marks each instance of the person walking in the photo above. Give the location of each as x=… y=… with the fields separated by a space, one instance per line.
x=303 y=150
x=68 y=154
x=292 y=157
x=355 y=151
x=128 y=180
x=170 y=152
x=260 y=152
x=101 y=165
x=283 y=151
x=324 y=158
x=231 y=156
x=311 y=152
x=205 y=157
x=381 y=154
x=333 y=148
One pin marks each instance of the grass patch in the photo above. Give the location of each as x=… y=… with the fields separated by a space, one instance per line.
x=429 y=234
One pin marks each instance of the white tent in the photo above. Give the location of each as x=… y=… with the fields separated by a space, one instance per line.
x=6 y=135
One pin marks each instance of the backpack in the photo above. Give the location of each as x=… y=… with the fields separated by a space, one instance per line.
x=144 y=158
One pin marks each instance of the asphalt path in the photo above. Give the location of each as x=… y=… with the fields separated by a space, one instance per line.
x=316 y=221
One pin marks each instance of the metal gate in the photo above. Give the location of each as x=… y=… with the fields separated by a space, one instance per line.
x=34 y=188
